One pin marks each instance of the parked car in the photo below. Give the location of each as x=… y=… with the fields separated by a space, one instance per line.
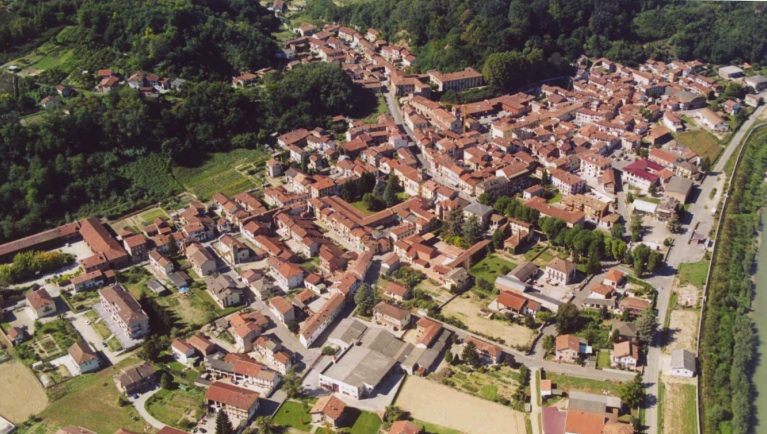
x=104 y=344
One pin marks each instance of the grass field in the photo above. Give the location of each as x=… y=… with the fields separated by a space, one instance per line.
x=294 y=414
x=702 y=142
x=603 y=359
x=172 y=406
x=52 y=54
x=490 y=268
x=556 y=199
x=22 y=395
x=434 y=429
x=366 y=423
x=217 y=174
x=379 y=109
x=679 y=409
x=360 y=205
x=570 y=383
x=489 y=385
x=693 y=273
x=91 y=401
x=149 y=216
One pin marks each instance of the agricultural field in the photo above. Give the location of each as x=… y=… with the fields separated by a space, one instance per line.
x=217 y=173
x=491 y=267
x=22 y=395
x=450 y=408
x=148 y=217
x=58 y=53
x=700 y=141
x=90 y=400
x=679 y=409
x=491 y=385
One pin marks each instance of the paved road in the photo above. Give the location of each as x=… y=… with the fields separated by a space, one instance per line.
x=701 y=216
x=140 y=404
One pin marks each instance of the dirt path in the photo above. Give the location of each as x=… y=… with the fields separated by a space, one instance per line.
x=22 y=395
x=452 y=409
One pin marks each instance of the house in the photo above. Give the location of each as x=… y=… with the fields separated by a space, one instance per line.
x=88 y=281
x=286 y=274
x=160 y=263
x=569 y=347
x=730 y=72
x=317 y=323
x=627 y=331
x=125 y=311
x=41 y=303
x=397 y=291
x=678 y=188
x=233 y=250
x=71 y=429
x=682 y=363
x=17 y=335
x=244 y=369
x=614 y=278
x=246 y=327
x=757 y=82
x=182 y=351
x=328 y=410
x=456 y=81
x=282 y=309
x=489 y=354
x=404 y=427
x=511 y=301
x=202 y=345
x=50 y=102
x=392 y=316
x=567 y=183
x=560 y=271
x=634 y=306
x=711 y=120
x=236 y=402
x=625 y=355
x=202 y=261
x=83 y=357
x=224 y=290
x=137 y=247
x=136 y=378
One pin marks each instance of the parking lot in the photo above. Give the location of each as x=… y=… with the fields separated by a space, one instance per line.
x=126 y=341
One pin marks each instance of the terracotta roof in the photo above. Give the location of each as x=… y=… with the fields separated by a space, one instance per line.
x=71 y=429
x=40 y=298
x=170 y=430
x=396 y=289
x=430 y=330
x=614 y=275
x=280 y=303
x=583 y=422
x=232 y=395
x=561 y=265
x=404 y=427
x=568 y=342
x=128 y=308
x=329 y=406
x=81 y=353
x=181 y=345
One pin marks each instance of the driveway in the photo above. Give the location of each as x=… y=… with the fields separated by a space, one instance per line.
x=140 y=404
x=68 y=362
x=90 y=335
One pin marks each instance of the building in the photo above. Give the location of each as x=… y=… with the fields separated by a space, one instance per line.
x=730 y=72
x=224 y=291
x=89 y=281
x=489 y=354
x=396 y=291
x=404 y=427
x=328 y=410
x=236 y=402
x=568 y=348
x=201 y=259
x=182 y=351
x=625 y=355
x=392 y=316
x=83 y=357
x=357 y=372
x=560 y=271
x=246 y=327
x=71 y=429
x=41 y=303
x=317 y=323
x=757 y=82
x=642 y=174
x=567 y=183
x=125 y=311
x=136 y=378
x=682 y=363
x=678 y=188
x=456 y=81
x=711 y=120
x=634 y=306
x=282 y=309
x=614 y=278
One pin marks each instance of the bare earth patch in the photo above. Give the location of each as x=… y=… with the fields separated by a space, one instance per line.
x=22 y=395
x=467 y=310
x=683 y=328
x=679 y=409
x=452 y=409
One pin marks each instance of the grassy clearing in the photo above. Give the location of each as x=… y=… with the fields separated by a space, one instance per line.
x=492 y=385
x=379 y=109
x=360 y=205
x=679 y=408
x=434 y=429
x=294 y=414
x=556 y=199
x=48 y=56
x=603 y=359
x=217 y=173
x=702 y=142
x=171 y=407
x=491 y=267
x=149 y=216
x=366 y=423
x=570 y=383
x=91 y=401
x=693 y=273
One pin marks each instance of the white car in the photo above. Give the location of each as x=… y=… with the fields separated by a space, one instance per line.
x=87 y=322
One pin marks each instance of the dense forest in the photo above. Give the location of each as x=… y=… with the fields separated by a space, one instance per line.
x=453 y=34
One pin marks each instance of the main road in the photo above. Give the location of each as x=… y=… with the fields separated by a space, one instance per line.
x=702 y=221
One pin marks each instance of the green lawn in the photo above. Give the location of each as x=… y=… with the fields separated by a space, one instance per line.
x=379 y=109
x=217 y=174
x=47 y=56
x=294 y=414
x=91 y=401
x=360 y=205
x=366 y=423
x=149 y=216
x=171 y=406
x=114 y=344
x=603 y=359
x=489 y=392
x=556 y=199
x=693 y=273
x=434 y=429
x=490 y=268
x=569 y=383
x=702 y=142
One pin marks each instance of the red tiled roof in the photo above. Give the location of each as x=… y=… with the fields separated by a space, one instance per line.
x=232 y=395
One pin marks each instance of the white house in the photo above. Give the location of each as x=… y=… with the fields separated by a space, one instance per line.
x=182 y=351
x=83 y=357
x=682 y=363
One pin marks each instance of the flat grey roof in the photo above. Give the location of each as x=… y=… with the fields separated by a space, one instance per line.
x=359 y=367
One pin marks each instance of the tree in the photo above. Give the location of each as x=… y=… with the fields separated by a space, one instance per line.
x=567 y=318
x=646 y=326
x=654 y=262
x=223 y=424
x=705 y=165
x=472 y=229
x=365 y=299
x=615 y=336
x=632 y=393
x=266 y=425
x=617 y=231
x=548 y=343
x=390 y=193
x=392 y=413
x=629 y=197
x=453 y=224
x=448 y=357
x=373 y=202
x=674 y=225
x=469 y=354
x=486 y=199
x=293 y=327
x=292 y=383
x=593 y=265
x=166 y=380
x=652 y=189
x=151 y=349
